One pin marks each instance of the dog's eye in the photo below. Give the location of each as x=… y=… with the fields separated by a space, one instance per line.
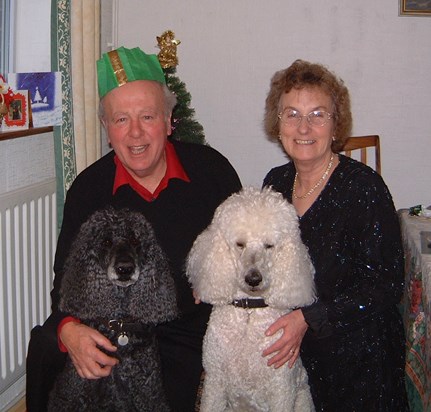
x=240 y=245
x=268 y=245
x=107 y=242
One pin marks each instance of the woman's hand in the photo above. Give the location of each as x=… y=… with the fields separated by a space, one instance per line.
x=196 y=298
x=286 y=349
x=81 y=342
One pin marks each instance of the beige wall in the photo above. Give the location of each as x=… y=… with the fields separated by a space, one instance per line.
x=230 y=49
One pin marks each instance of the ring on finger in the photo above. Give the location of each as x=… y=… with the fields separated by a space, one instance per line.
x=292 y=351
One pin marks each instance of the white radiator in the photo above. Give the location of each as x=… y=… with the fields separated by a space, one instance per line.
x=28 y=236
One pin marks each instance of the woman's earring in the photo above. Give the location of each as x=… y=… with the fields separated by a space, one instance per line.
x=333 y=138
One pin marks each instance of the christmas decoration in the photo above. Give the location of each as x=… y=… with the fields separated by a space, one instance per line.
x=6 y=97
x=184 y=126
x=168 y=49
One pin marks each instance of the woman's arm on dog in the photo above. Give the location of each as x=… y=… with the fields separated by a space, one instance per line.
x=286 y=349
x=82 y=344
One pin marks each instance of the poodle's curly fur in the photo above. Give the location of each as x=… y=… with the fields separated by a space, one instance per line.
x=252 y=249
x=116 y=270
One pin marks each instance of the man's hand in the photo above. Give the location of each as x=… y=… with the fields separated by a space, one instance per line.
x=81 y=342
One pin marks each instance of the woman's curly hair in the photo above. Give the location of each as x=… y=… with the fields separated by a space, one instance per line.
x=302 y=74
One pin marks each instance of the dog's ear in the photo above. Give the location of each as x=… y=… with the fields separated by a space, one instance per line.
x=292 y=275
x=79 y=294
x=210 y=267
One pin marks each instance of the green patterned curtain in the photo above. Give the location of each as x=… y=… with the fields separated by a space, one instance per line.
x=64 y=147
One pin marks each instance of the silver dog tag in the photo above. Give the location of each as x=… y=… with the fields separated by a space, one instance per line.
x=123 y=339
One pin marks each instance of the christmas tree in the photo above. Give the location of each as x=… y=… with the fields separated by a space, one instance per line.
x=184 y=126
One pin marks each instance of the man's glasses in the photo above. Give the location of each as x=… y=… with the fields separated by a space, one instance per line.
x=292 y=117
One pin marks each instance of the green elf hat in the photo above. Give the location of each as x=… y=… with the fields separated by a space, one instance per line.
x=122 y=65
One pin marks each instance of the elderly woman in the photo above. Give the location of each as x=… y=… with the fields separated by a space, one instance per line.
x=351 y=339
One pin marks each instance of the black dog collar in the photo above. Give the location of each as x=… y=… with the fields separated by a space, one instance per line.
x=249 y=303
x=119 y=325
x=125 y=327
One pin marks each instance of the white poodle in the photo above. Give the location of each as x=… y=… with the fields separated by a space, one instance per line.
x=252 y=266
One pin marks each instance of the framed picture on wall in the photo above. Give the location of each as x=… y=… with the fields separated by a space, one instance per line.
x=415 y=7
x=17 y=117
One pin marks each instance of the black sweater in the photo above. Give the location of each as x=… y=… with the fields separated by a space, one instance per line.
x=178 y=215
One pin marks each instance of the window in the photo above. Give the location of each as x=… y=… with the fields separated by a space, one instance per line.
x=5 y=36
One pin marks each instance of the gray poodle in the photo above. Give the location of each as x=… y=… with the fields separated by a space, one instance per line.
x=117 y=280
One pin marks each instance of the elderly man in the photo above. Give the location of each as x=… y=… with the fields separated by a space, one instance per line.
x=176 y=185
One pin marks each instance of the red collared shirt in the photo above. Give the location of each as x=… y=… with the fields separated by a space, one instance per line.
x=174 y=170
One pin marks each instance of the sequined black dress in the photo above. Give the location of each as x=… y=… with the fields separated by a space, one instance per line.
x=354 y=349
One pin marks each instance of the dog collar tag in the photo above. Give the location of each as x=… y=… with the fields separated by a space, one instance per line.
x=123 y=339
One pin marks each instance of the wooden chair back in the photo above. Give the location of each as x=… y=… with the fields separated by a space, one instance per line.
x=362 y=143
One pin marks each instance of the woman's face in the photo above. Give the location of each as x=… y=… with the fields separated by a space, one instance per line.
x=305 y=142
x=137 y=127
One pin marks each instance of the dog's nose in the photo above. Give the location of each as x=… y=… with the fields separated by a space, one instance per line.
x=124 y=270
x=124 y=262
x=253 y=278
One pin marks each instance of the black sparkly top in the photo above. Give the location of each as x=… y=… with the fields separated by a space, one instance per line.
x=354 y=347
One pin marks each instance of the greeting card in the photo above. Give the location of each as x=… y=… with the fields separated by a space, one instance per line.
x=44 y=95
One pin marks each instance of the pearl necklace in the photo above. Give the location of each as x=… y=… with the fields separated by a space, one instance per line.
x=324 y=176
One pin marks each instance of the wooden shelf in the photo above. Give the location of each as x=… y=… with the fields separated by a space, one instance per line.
x=4 y=135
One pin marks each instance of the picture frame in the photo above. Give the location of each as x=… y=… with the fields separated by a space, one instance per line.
x=415 y=8
x=17 y=117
